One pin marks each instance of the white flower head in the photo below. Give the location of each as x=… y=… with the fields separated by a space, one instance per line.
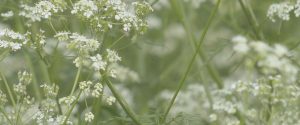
x=62 y=36
x=112 y=56
x=3 y=98
x=42 y=10
x=98 y=63
x=67 y=100
x=280 y=10
x=241 y=45
x=86 y=8
x=98 y=88
x=7 y=14
x=89 y=117
x=110 y=100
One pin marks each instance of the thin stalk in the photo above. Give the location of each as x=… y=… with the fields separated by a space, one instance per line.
x=252 y=21
x=3 y=54
x=71 y=109
x=76 y=80
x=8 y=90
x=51 y=25
x=122 y=102
x=19 y=110
x=97 y=108
x=35 y=83
x=115 y=42
x=182 y=81
x=270 y=106
x=258 y=34
x=209 y=67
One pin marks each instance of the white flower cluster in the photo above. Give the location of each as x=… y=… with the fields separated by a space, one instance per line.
x=81 y=44
x=240 y=44
x=98 y=63
x=7 y=14
x=42 y=10
x=67 y=100
x=3 y=98
x=89 y=117
x=110 y=100
x=85 y=48
x=95 y=90
x=24 y=80
x=112 y=56
x=282 y=10
x=191 y=100
x=62 y=36
x=272 y=87
x=50 y=91
x=86 y=8
x=226 y=106
x=272 y=92
x=105 y=14
x=44 y=119
x=123 y=74
x=12 y=40
x=270 y=59
x=90 y=88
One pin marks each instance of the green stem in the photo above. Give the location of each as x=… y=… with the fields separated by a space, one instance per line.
x=209 y=67
x=8 y=90
x=3 y=55
x=19 y=110
x=71 y=109
x=36 y=86
x=270 y=106
x=115 y=42
x=182 y=81
x=252 y=21
x=76 y=80
x=122 y=102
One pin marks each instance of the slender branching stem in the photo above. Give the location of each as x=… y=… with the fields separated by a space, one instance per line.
x=189 y=67
x=8 y=90
x=122 y=102
x=71 y=109
x=76 y=80
x=252 y=21
x=209 y=67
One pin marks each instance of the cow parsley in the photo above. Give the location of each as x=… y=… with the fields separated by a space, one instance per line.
x=280 y=10
x=42 y=10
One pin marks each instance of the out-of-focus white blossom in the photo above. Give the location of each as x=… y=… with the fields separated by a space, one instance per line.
x=112 y=56
x=297 y=8
x=89 y=117
x=3 y=98
x=50 y=91
x=24 y=80
x=110 y=100
x=7 y=14
x=67 y=100
x=240 y=44
x=62 y=36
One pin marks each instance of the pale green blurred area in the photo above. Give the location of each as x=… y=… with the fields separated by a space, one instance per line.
x=159 y=57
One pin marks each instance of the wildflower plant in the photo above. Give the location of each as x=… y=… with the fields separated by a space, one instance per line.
x=149 y=62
